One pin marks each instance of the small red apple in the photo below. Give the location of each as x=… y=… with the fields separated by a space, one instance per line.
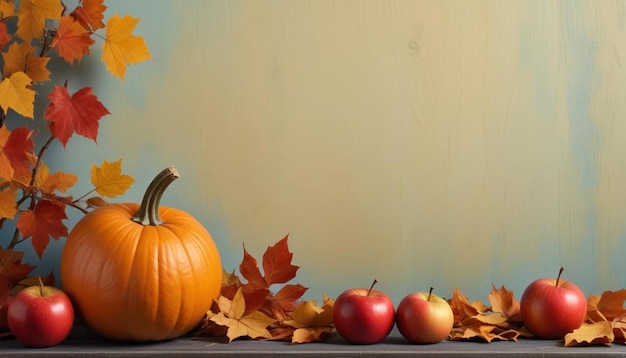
x=363 y=316
x=40 y=316
x=552 y=308
x=424 y=318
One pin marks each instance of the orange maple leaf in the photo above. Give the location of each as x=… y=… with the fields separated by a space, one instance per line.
x=15 y=147
x=45 y=221
x=50 y=183
x=7 y=9
x=109 y=180
x=8 y=208
x=90 y=14
x=232 y=315
x=503 y=301
x=121 y=47
x=32 y=16
x=607 y=307
x=72 y=40
x=16 y=94
x=21 y=57
x=79 y=113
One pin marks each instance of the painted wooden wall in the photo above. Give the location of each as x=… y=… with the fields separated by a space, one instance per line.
x=423 y=143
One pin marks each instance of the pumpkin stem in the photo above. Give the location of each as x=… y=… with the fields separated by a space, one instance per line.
x=148 y=213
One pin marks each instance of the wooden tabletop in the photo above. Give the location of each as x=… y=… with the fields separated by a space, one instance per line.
x=83 y=343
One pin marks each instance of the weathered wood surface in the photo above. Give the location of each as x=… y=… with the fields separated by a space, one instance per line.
x=82 y=343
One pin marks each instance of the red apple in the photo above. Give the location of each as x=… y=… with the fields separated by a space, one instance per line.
x=424 y=318
x=552 y=308
x=40 y=316
x=363 y=316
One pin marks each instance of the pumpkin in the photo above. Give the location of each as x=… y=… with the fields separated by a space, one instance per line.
x=141 y=272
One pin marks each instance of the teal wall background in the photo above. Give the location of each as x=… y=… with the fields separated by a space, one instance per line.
x=422 y=143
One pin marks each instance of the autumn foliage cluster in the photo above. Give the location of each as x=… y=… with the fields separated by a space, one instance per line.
x=251 y=309
x=33 y=33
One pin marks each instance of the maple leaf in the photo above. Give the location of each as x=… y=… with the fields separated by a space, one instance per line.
x=590 y=334
x=461 y=307
x=121 y=47
x=232 y=315
x=503 y=301
x=33 y=281
x=607 y=307
x=7 y=9
x=21 y=57
x=15 y=93
x=8 y=208
x=32 y=16
x=5 y=37
x=277 y=268
x=109 y=180
x=43 y=222
x=12 y=270
x=80 y=113
x=310 y=322
x=14 y=149
x=277 y=263
x=72 y=40
x=90 y=14
x=58 y=181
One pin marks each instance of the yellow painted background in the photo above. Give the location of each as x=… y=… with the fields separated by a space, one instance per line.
x=422 y=143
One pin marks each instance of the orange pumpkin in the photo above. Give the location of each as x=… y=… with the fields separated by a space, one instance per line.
x=141 y=273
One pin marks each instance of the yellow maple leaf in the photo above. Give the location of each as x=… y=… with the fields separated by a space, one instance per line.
x=311 y=322
x=58 y=181
x=7 y=9
x=32 y=16
x=15 y=93
x=590 y=334
x=121 y=47
x=22 y=57
x=231 y=315
x=8 y=207
x=109 y=180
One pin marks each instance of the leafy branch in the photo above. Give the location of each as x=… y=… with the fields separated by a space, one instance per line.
x=30 y=195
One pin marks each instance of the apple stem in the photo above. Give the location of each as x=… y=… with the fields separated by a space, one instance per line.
x=372 y=286
x=40 y=286
x=559 y=276
x=430 y=293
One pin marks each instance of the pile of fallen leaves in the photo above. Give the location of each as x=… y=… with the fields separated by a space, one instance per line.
x=251 y=309
x=605 y=322
x=476 y=321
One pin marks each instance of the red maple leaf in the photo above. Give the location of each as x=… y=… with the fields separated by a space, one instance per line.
x=277 y=268
x=14 y=149
x=5 y=37
x=72 y=41
x=90 y=14
x=79 y=113
x=12 y=270
x=45 y=221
